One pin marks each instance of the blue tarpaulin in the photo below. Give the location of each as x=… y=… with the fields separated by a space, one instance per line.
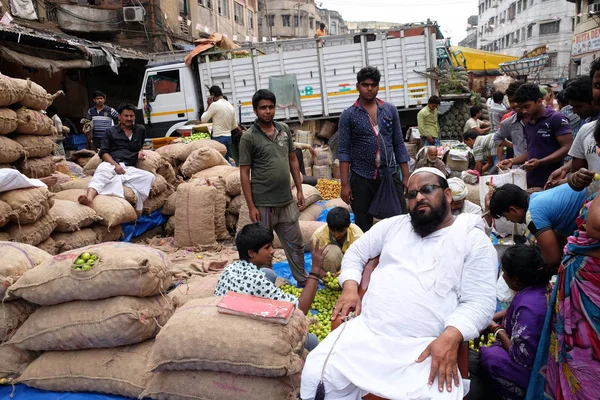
x=282 y=269
x=23 y=392
x=142 y=225
x=323 y=215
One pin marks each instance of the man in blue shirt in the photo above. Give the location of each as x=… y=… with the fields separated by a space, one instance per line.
x=102 y=117
x=370 y=140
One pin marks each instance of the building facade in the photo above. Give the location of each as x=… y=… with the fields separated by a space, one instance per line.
x=334 y=21
x=586 y=37
x=472 y=32
x=287 y=19
x=515 y=27
x=357 y=26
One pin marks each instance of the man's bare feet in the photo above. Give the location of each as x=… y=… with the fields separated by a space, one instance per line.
x=84 y=200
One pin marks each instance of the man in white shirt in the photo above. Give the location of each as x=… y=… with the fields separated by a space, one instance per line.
x=475 y=123
x=460 y=204
x=223 y=117
x=434 y=288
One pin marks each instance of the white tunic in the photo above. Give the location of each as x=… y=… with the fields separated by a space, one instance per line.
x=421 y=286
x=107 y=182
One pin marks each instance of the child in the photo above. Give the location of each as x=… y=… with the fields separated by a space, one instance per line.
x=336 y=237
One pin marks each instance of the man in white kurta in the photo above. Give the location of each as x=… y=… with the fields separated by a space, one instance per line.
x=434 y=288
x=460 y=204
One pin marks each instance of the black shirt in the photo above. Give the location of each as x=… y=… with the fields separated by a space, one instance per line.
x=116 y=143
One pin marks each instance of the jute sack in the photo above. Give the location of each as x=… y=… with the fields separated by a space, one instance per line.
x=32 y=234
x=123 y=269
x=113 y=210
x=197 y=287
x=195 y=215
x=29 y=204
x=72 y=216
x=32 y=122
x=473 y=194
x=311 y=213
x=220 y=206
x=167 y=171
x=8 y=121
x=51 y=246
x=154 y=203
x=152 y=160
x=311 y=195
x=170 y=226
x=36 y=97
x=36 y=146
x=61 y=179
x=12 y=315
x=81 y=183
x=227 y=343
x=201 y=159
x=37 y=167
x=244 y=217
x=174 y=153
x=12 y=90
x=222 y=171
x=170 y=204
x=158 y=186
x=185 y=385
x=231 y=221
x=5 y=213
x=16 y=259
x=307 y=228
x=323 y=156
x=79 y=325
x=13 y=361
x=235 y=204
x=74 y=240
x=4 y=237
x=70 y=194
x=119 y=371
x=233 y=184
x=322 y=171
x=338 y=203
x=104 y=234
x=208 y=144
x=10 y=151
x=91 y=165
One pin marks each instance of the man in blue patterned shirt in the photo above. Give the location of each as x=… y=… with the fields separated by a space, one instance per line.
x=370 y=140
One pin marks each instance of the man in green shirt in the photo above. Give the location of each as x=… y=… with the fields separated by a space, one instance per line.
x=427 y=120
x=267 y=149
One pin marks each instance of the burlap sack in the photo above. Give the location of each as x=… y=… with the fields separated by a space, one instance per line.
x=167 y=171
x=61 y=179
x=51 y=246
x=16 y=259
x=70 y=194
x=338 y=203
x=5 y=213
x=123 y=269
x=231 y=221
x=220 y=206
x=233 y=183
x=158 y=186
x=36 y=97
x=322 y=171
x=4 y=237
x=175 y=153
x=473 y=195
x=170 y=204
x=227 y=343
x=36 y=146
x=335 y=169
x=244 y=217
x=104 y=234
x=12 y=90
x=113 y=210
x=6 y=166
x=323 y=156
x=201 y=159
x=91 y=166
x=307 y=228
x=79 y=325
x=74 y=240
x=222 y=171
x=154 y=203
x=12 y=315
x=170 y=227
x=37 y=167
x=8 y=121
x=32 y=122
x=13 y=361
x=10 y=151
x=208 y=144
x=311 y=213
x=195 y=215
x=235 y=204
x=311 y=195
x=197 y=287
x=185 y=385
x=32 y=234
x=72 y=216
x=81 y=183
x=29 y=204
x=152 y=160
x=119 y=371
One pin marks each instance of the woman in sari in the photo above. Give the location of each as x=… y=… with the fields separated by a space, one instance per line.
x=567 y=365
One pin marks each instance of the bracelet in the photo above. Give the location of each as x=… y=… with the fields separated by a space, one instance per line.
x=497 y=332
x=315 y=275
x=313 y=278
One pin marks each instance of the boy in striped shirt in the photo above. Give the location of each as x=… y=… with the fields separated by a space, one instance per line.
x=484 y=149
x=102 y=117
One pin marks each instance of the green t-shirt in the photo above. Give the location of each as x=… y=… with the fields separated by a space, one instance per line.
x=269 y=161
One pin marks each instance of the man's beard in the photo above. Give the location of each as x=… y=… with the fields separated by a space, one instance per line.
x=425 y=225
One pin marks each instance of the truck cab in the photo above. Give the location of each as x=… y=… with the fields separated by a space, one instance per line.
x=168 y=98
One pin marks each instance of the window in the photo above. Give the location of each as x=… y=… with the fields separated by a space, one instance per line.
x=183 y=7
x=333 y=28
x=205 y=3
x=524 y=4
x=512 y=11
x=523 y=34
x=296 y=21
x=164 y=82
x=311 y=23
x=529 y=31
x=285 y=20
x=549 y=28
x=552 y=60
x=517 y=35
x=238 y=13
x=224 y=8
x=250 y=19
x=578 y=7
x=270 y=20
x=519 y=6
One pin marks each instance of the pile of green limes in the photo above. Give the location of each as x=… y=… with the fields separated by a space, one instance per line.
x=85 y=262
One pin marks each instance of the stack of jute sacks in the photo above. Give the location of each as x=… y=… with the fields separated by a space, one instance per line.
x=201 y=353
x=323 y=162
x=27 y=135
x=95 y=324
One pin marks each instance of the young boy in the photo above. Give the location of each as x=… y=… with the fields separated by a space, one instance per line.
x=336 y=237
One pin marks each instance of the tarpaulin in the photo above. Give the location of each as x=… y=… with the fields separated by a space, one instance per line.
x=23 y=9
x=478 y=60
x=323 y=215
x=142 y=225
x=285 y=88
x=282 y=269
x=41 y=63
x=23 y=392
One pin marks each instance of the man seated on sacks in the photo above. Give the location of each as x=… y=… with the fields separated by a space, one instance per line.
x=120 y=151
x=434 y=288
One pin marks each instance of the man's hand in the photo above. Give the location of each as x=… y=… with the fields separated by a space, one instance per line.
x=532 y=164
x=119 y=170
x=347 y=194
x=300 y=198
x=582 y=178
x=349 y=300
x=492 y=327
x=318 y=257
x=444 y=355
x=141 y=155
x=555 y=178
x=254 y=214
x=488 y=197
x=505 y=164
x=430 y=139
x=49 y=180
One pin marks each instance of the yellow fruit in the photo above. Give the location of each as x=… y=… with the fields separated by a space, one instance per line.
x=79 y=261
x=597 y=177
x=85 y=256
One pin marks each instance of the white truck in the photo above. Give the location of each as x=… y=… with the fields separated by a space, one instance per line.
x=325 y=71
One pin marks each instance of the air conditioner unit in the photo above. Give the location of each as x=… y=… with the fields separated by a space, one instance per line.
x=594 y=9
x=133 y=14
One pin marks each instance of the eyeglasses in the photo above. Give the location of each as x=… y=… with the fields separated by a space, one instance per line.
x=425 y=190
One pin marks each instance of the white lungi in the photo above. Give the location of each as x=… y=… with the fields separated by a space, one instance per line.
x=107 y=182
x=421 y=286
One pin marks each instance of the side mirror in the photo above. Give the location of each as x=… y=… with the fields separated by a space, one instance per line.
x=150 y=96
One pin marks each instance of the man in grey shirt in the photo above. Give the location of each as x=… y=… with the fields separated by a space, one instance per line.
x=511 y=132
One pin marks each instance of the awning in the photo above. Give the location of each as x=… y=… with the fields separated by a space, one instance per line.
x=41 y=63
x=478 y=60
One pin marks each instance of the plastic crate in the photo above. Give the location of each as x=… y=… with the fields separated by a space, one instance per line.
x=160 y=142
x=78 y=142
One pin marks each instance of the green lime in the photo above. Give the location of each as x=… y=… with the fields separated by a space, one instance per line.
x=79 y=262
x=85 y=256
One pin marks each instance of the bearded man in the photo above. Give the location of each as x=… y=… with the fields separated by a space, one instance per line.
x=434 y=288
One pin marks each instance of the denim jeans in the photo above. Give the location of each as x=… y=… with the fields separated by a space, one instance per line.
x=425 y=142
x=225 y=140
